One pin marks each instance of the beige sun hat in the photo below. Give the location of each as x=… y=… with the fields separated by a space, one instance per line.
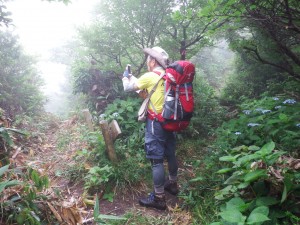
x=160 y=55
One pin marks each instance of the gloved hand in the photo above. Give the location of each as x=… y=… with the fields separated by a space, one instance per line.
x=127 y=72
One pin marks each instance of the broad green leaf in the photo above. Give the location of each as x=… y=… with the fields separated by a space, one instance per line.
x=234 y=177
x=197 y=179
x=283 y=117
x=233 y=216
x=96 y=208
x=220 y=194
x=266 y=201
x=243 y=185
x=247 y=159
x=271 y=159
x=236 y=204
x=224 y=170
x=3 y=170
x=109 y=197
x=261 y=209
x=253 y=148
x=239 y=148
x=215 y=223
x=288 y=184
x=255 y=175
x=257 y=218
x=267 y=148
x=258 y=215
x=109 y=217
x=227 y=158
x=129 y=109
x=10 y=183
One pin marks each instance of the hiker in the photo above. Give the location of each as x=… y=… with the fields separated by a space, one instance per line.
x=159 y=143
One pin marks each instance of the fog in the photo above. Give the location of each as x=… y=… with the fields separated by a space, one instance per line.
x=43 y=26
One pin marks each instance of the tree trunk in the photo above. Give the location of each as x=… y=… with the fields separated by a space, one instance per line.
x=182 y=50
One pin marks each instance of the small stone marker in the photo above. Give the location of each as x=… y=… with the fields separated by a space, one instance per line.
x=88 y=119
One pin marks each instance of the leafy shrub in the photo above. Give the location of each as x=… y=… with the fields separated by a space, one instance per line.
x=250 y=79
x=125 y=112
x=268 y=119
x=6 y=141
x=96 y=170
x=136 y=164
x=89 y=158
x=262 y=186
x=130 y=146
x=20 y=205
x=207 y=112
x=97 y=177
x=100 y=87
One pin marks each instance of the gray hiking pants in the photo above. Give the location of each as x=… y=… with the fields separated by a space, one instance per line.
x=160 y=144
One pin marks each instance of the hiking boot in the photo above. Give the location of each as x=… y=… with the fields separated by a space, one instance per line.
x=171 y=187
x=154 y=201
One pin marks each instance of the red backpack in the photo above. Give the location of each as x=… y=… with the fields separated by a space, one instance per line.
x=179 y=98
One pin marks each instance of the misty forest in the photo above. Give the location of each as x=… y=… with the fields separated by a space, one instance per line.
x=239 y=158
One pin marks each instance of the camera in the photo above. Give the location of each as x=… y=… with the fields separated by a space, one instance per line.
x=129 y=68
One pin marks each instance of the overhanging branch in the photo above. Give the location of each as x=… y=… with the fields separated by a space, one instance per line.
x=264 y=61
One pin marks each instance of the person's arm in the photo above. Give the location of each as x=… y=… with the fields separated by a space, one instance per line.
x=129 y=83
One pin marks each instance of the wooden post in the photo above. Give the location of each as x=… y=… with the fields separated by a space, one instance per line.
x=88 y=119
x=114 y=130
x=108 y=141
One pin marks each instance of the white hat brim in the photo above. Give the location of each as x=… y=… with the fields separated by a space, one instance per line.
x=156 y=56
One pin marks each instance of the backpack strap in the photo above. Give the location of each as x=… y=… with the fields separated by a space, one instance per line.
x=155 y=86
x=176 y=101
x=186 y=92
x=153 y=90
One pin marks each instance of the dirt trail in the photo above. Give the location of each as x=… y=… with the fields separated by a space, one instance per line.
x=65 y=199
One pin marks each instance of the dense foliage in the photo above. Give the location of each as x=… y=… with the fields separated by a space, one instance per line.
x=242 y=146
x=266 y=30
x=120 y=33
x=20 y=82
x=262 y=183
x=21 y=208
x=263 y=37
x=260 y=121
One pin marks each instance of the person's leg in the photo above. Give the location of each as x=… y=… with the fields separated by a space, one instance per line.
x=155 y=140
x=170 y=156
x=171 y=183
x=158 y=174
x=155 y=143
x=156 y=199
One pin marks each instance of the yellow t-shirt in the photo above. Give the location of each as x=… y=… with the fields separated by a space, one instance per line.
x=147 y=81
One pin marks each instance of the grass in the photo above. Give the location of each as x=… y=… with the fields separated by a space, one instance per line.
x=198 y=180
x=177 y=216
